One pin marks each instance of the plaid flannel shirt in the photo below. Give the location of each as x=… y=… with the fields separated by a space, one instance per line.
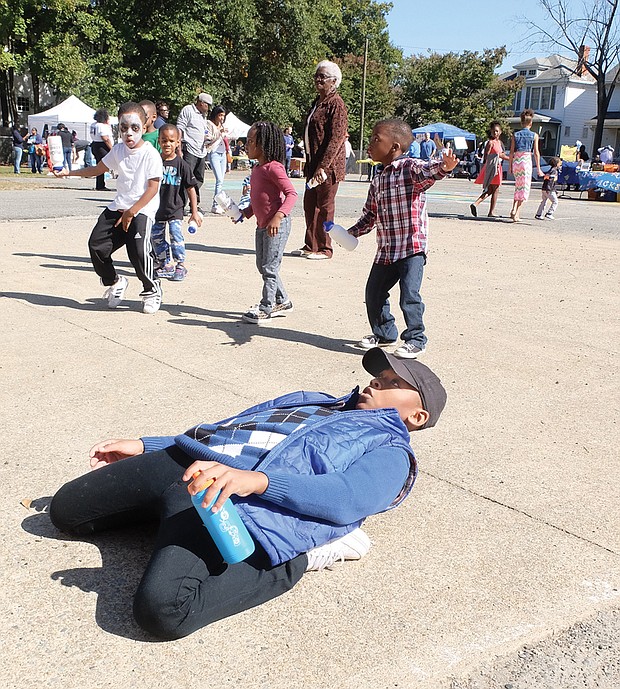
x=396 y=206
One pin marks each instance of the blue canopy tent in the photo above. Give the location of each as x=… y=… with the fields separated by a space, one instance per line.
x=444 y=131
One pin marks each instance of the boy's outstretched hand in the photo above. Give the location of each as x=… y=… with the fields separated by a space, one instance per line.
x=449 y=161
x=109 y=451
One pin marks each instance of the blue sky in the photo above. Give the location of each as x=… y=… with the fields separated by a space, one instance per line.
x=457 y=25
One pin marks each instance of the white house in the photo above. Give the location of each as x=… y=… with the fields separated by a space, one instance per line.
x=563 y=97
x=611 y=130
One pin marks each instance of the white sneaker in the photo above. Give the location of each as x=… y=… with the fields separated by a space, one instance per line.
x=152 y=301
x=116 y=292
x=216 y=210
x=371 y=341
x=409 y=351
x=353 y=546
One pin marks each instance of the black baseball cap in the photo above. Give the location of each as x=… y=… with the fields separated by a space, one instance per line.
x=428 y=385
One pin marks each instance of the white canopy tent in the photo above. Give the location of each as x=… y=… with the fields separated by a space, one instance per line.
x=236 y=128
x=73 y=113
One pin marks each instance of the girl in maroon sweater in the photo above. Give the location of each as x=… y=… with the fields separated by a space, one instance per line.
x=272 y=197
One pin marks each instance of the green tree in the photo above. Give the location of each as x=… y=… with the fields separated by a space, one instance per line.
x=458 y=88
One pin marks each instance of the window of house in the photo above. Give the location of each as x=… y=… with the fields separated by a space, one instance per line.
x=566 y=131
x=517 y=101
x=584 y=133
x=531 y=73
x=23 y=104
x=545 y=98
x=554 y=90
x=528 y=95
x=522 y=72
x=535 y=98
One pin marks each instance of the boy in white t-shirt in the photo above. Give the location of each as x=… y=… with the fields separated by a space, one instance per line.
x=129 y=218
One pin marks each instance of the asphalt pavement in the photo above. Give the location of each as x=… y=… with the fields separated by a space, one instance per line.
x=509 y=541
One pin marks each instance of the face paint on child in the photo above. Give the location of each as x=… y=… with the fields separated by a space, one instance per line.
x=131 y=128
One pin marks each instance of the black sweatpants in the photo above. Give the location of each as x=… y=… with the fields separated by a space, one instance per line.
x=105 y=239
x=186 y=585
x=99 y=150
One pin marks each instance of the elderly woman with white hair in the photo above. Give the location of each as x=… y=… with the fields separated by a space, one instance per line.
x=324 y=140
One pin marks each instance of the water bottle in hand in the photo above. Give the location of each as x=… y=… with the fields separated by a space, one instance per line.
x=311 y=183
x=192 y=227
x=230 y=208
x=226 y=528
x=340 y=235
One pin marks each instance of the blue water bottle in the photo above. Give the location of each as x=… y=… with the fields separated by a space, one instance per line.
x=226 y=528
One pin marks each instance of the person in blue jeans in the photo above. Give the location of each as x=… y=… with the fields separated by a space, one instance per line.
x=177 y=184
x=396 y=208
x=215 y=145
x=18 y=149
x=304 y=470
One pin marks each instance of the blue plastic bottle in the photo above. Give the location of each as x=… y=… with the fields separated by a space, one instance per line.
x=226 y=528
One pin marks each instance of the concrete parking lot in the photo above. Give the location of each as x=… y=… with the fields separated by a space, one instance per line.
x=509 y=537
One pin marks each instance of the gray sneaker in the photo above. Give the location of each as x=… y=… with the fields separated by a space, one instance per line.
x=116 y=292
x=282 y=309
x=255 y=315
x=371 y=341
x=409 y=351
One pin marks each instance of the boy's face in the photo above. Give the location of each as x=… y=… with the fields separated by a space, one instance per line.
x=131 y=128
x=169 y=142
x=382 y=147
x=388 y=389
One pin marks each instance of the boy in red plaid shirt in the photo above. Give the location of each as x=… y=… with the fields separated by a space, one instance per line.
x=396 y=207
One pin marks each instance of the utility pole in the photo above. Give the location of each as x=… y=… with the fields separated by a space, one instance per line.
x=361 y=151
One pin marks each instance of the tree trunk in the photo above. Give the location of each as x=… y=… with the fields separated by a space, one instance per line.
x=36 y=91
x=4 y=101
x=602 y=102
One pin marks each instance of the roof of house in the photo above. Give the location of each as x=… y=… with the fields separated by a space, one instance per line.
x=552 y=67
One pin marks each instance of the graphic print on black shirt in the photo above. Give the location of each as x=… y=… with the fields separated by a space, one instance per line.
x=173 y=190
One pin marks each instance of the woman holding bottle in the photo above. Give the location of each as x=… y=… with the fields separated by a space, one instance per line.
x=325 y=134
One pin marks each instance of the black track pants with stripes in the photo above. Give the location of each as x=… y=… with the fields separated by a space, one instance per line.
x=106 y=238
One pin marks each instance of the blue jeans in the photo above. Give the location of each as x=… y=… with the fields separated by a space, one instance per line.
x=269 y=251
x=35 y=162
x=161 y=246
x=67 y=155
x=18 y=152
x=408 y=273
x=89 y=160
x=218 y=165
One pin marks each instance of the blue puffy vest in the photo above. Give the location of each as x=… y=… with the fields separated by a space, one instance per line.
x=328 y=445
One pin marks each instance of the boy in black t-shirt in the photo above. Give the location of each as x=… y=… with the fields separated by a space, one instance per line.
x=177 y=181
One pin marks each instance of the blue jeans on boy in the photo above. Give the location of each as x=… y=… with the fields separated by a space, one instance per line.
x=269 y=251
x=408 y=273
x=67 y=154
x=160 y=245
x=18 y=152
x=218 y=164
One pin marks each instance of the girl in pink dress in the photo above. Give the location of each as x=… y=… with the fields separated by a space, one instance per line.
x=491 y=174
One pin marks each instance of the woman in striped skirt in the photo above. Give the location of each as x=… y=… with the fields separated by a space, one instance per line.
x=523 y=144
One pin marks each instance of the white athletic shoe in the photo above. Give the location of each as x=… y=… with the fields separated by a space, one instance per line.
x=152 y=300
x=116 y=292
x=353 y=546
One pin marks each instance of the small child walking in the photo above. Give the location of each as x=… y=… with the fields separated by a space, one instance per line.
x=129 y=218
x=548 y=190
x=272 y=197
x=396 y=207
x=178 y=183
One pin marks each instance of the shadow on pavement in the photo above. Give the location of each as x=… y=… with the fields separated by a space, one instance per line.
x=230 y=323
x=124 y=557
